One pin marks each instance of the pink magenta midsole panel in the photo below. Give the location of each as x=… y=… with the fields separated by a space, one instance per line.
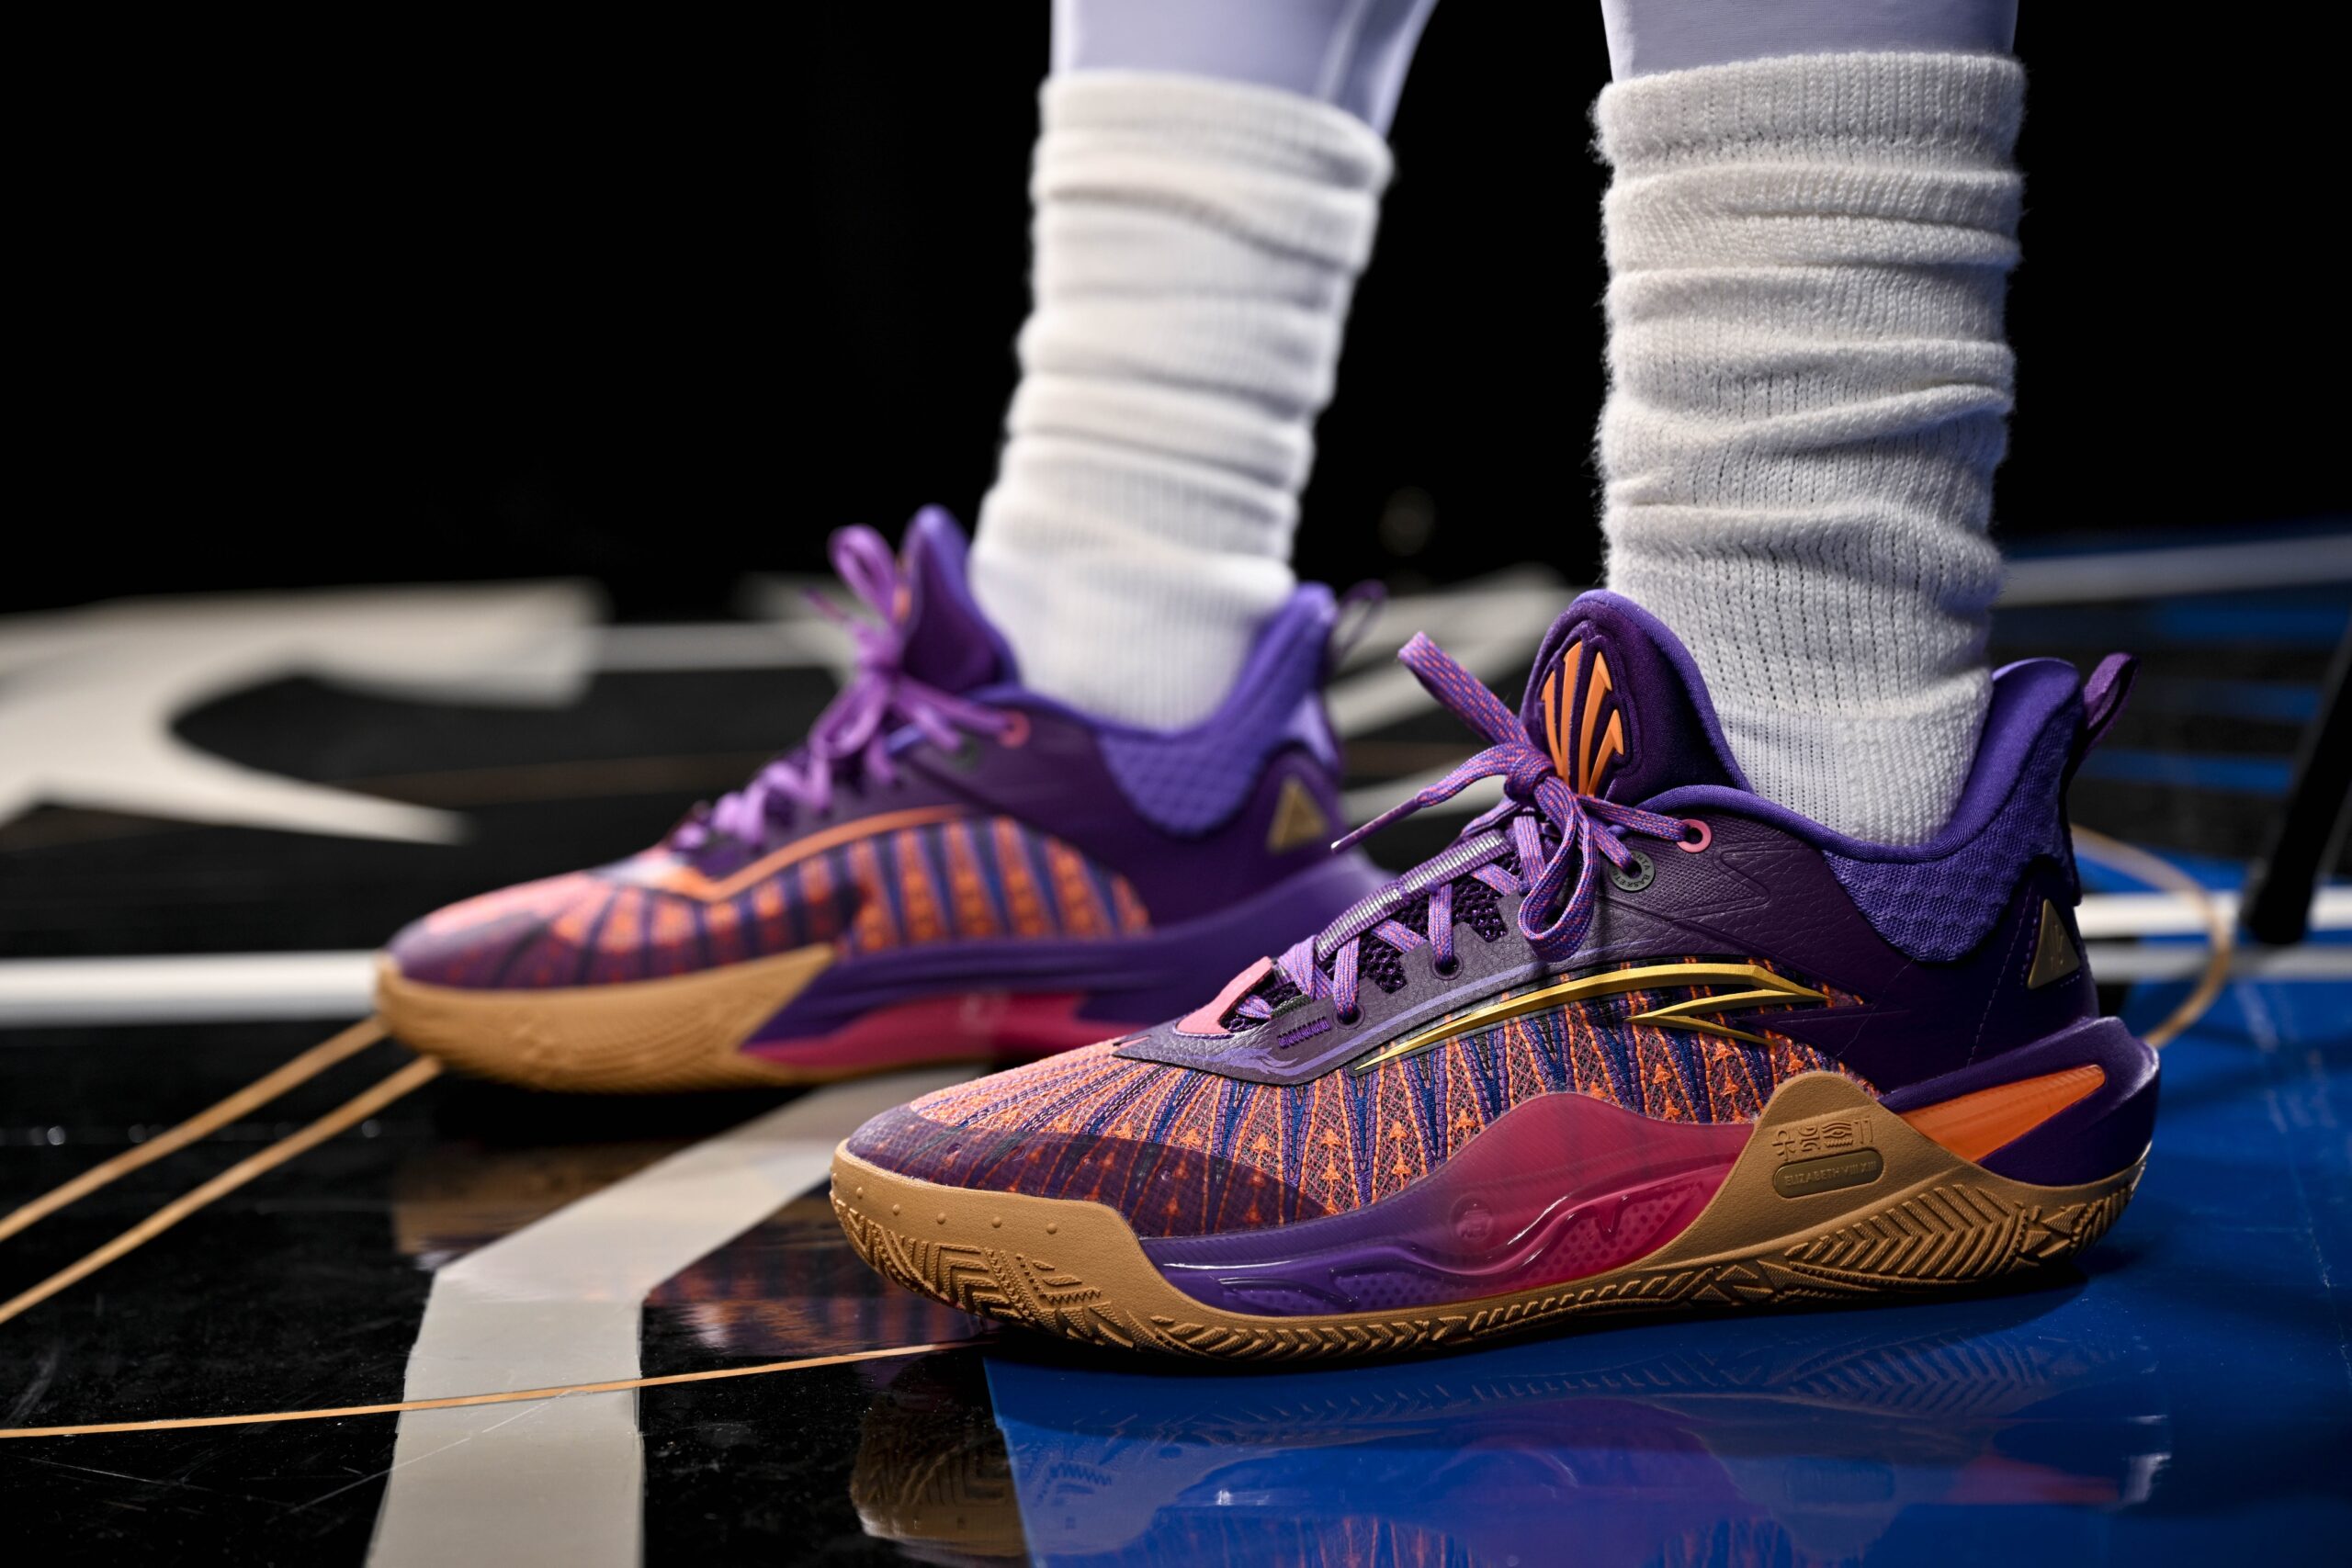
x=978 y=1026
x=1558 y=1189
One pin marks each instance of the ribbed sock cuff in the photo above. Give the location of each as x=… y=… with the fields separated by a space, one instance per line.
x=1951 y=109
x=1197 y=243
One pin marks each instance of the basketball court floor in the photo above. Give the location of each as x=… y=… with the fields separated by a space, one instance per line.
x=402 y=1319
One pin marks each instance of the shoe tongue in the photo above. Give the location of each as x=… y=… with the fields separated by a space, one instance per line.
x=1616 y=700
x=949 y=643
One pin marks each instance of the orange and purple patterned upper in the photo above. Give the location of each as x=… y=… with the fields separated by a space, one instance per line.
x=1182 y=1152
x=894 y=883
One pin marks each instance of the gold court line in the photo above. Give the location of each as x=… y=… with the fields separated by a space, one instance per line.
x=510 y=1396
x=259 y=1092
x=2221 y=941
x=357 y=1109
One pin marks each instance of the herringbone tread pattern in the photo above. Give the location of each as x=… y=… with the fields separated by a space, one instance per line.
x=1950 y=1235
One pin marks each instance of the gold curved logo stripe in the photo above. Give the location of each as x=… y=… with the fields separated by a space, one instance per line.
x=687 y=880
x=1765 y=988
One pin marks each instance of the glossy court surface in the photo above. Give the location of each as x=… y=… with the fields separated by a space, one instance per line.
x=2184 y=1395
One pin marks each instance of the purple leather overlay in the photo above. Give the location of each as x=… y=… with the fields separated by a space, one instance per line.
x=1775 y=885
x=1939 y=900
x=1756 y=892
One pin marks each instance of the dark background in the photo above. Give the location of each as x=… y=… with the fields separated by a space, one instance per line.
x=405 y=297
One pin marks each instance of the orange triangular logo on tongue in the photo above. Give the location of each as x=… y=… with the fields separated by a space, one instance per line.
x=1598 y=746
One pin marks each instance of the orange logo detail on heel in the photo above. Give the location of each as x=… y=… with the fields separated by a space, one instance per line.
x=1598 y=746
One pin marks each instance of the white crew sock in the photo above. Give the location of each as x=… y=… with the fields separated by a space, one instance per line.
x=1808 y=386
x=1198 y=243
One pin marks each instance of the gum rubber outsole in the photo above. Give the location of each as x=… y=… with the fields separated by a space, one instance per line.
x=1929 y=1221
x=657 y=1036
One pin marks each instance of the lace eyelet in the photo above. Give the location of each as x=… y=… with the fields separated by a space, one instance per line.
x=1351 y=1017
x=1015 y=732
x=1690 y=846
x=1446 y=968
x=1633 y=878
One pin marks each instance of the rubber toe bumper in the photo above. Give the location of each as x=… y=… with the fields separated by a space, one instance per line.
x=670 y=1034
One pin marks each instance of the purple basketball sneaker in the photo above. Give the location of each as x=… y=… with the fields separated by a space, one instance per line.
x=951 y=868
x=1639 y=1039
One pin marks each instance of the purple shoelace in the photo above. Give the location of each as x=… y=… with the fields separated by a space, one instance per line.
x=878 y=702
x=1558 y=904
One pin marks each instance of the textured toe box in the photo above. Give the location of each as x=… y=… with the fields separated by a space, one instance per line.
x=1092 y=1127
x=608 y=926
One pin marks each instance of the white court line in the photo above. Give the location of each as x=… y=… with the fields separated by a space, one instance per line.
x=1491 y=627
x=255 y=986
x=806 y=641
x=1520 y=601
x=2131 y=961
x=558 y=1301
x=202 y=988
x=2094 y=577
x=2168 y=914
x=2184 y=568
x=1364 y=803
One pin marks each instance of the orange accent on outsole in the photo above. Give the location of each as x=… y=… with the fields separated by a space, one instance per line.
x=1974 y=1125
x=685 y=879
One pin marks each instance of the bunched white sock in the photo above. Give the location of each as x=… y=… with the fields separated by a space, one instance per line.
x=1808 y=389
x=1198 y=243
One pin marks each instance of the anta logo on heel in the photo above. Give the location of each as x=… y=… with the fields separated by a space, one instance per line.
x=1822 y=1157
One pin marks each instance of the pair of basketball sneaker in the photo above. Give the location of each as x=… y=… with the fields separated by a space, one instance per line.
x=1638 y=1039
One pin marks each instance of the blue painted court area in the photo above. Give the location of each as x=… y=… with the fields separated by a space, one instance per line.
x=2184 y=1397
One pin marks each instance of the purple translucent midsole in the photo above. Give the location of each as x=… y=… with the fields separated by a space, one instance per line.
x=1564 y=1187
x=1561 y=1187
